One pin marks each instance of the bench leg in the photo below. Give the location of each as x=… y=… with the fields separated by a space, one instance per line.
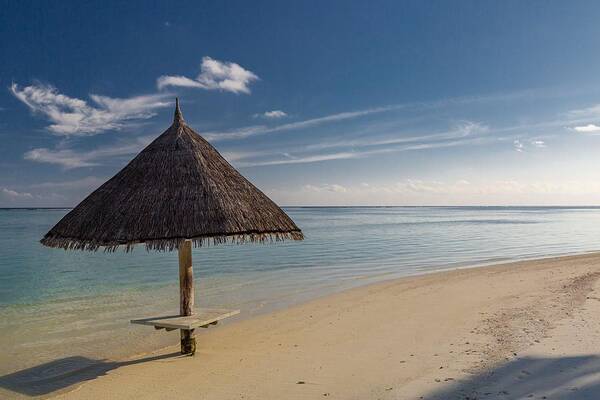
x=188 y=342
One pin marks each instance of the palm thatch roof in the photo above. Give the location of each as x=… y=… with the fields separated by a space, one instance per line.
x=179 y=187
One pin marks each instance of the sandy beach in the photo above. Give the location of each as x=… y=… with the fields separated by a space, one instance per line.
x=520 y=330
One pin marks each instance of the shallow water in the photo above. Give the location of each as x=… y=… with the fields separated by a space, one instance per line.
x=67 y=305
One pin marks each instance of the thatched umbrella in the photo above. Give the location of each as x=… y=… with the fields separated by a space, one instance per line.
x=176 y=192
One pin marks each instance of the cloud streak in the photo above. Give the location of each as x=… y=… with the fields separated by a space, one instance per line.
x=415 y=191
x=587 y=112
x=85 y=183
x=248 y=131
x=345 y=155
x=461 y=130
x=518 y=146
x=255 y=130
x=275 y=114
x=70 y=159
x=214 y=75
x=75 y=117
x=465 y=133
x=461 y=186
x=14 y=195
x=589 y=128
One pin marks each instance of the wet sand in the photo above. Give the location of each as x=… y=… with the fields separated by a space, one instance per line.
x=521 y=330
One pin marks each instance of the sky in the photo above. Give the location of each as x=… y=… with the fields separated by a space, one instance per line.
x=316 y=103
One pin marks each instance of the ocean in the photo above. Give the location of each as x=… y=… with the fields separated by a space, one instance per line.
x=58 y=305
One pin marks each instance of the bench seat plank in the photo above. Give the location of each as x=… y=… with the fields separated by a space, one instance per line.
x=200 y=318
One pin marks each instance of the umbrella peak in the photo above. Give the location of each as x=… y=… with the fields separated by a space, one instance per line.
x=178 y=117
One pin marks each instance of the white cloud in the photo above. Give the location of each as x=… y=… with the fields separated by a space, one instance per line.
x=518 y=145
x=14 y=195
x=180 y=81
x=275 y=114
x=70 y=158
x=214 y=75
x=75 y=117
x=587 y=128
x=325 y=187
x=538 y=143
x=521 y=145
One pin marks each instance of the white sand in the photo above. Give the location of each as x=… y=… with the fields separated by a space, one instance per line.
x=514 y=331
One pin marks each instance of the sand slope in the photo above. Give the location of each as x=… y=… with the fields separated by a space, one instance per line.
x=514 y=330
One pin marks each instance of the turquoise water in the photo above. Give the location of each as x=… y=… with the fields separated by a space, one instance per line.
x=55 y=304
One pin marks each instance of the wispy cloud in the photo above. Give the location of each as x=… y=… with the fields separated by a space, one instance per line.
x=344 y=155
x=75 y=117
x=538 y=143
x=581 y=119
x=589 y=128
x=59 y=194
x=461 y=186
x=521 y=145
x=412 y=191
x=248 y=131
x=460 y=130
x=370 y=142
x=325 y=188
x=233 y=156
x=518 y=145
x=304 y=159
x=242 y=133
x=14 y=195
x=66 y=158
x=586 y=112
x=214 y=75
x=70 y=158
x=255 y=130
x=467 y=132
x=275 y=114
x=85 y=183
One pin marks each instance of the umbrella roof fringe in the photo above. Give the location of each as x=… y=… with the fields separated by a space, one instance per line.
x=173 y=244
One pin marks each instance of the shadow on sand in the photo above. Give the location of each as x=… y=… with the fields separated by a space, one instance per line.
x=59 y=374
x=573 y=378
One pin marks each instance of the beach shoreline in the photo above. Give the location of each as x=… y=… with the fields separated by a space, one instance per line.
x=437 y=335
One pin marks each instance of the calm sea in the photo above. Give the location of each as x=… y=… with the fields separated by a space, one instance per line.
x=55 y=304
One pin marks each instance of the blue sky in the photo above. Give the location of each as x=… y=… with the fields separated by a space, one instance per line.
x=317 y=103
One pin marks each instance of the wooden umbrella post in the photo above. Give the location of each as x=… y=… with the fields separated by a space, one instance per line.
x=186 y=295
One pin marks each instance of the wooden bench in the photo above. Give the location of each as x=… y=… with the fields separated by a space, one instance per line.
x=201 y=318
